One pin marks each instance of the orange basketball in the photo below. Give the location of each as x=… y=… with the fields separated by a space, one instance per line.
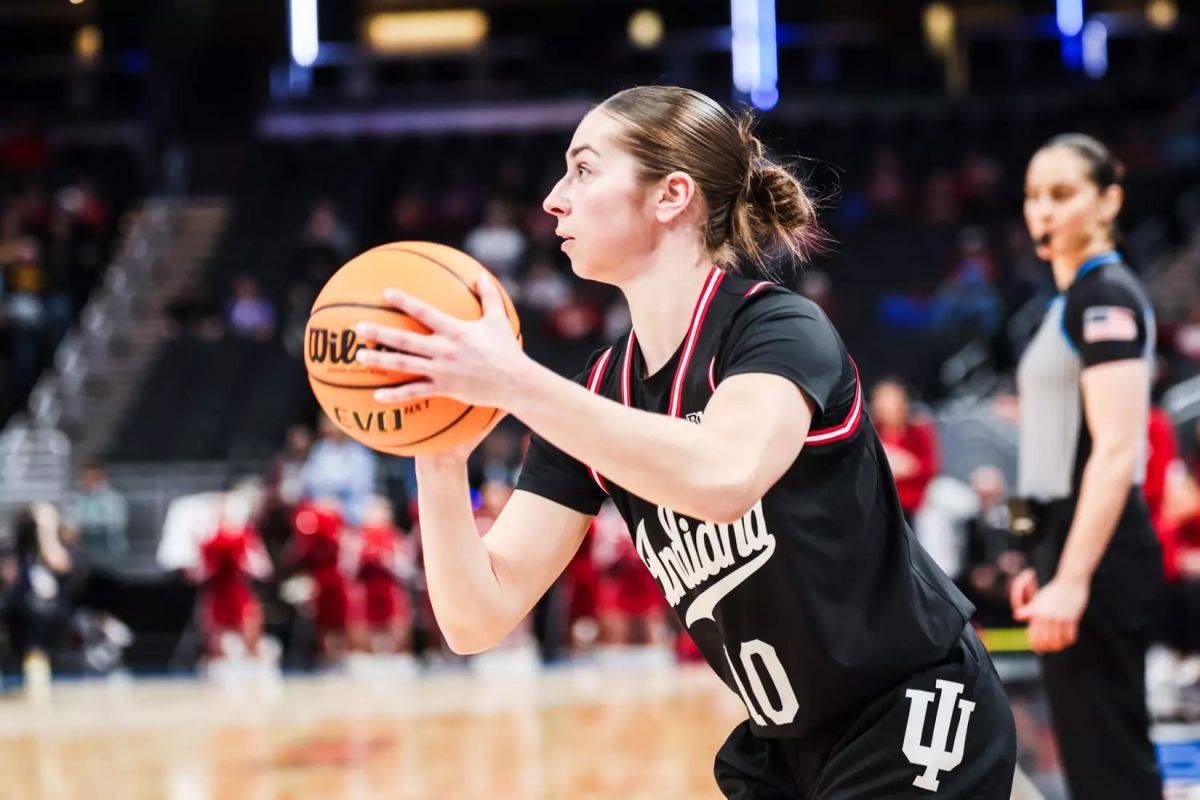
x=439 y=275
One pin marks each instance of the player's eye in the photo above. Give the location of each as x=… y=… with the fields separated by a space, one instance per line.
x=582 y=170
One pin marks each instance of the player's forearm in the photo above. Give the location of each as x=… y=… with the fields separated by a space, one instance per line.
x=466 y=597
x=668 y=461
x=1104 y=490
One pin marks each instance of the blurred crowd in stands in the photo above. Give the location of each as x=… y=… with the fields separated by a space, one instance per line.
x=317 y=559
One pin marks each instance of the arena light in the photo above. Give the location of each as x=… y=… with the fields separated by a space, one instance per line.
x=1095 y=49
x=645 y=28
x=937 y=23
x=755 y=53
x=427 y=31
x=302 y=18
x=1068 y=14
x=88 y=43
x=1162 y=14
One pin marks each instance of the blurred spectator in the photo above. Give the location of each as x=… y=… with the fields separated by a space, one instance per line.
x=886 y=187
x=498 y=457
x=497 y=242
x=316 y=551
x=340 y=468
x=299 y=303
x=229 y=560
x=941 y=205
x=967 y=306
x=1182 y=145
x=288 y=472
x=910 y=444
x=26 y=150
x=326 y=244
x=385 y=562
x=993 y=556
x=630 y=607
x=544 y=288
x=817 y=286
x=100 y=516
x=247 y=312
x=325 y=228
x=193 y=311
x=887 y=190
x=1173 y=664
x=1187 y=336
x=979 y=185
x=33 y=605
x=24 y=309
x=410 y=219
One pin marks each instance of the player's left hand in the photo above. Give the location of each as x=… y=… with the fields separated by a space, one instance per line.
x=473 y=361
x=1054 y=613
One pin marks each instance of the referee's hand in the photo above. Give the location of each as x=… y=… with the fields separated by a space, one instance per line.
x=1052 y=612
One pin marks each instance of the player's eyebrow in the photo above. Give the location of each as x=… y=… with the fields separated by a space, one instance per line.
x=574 y=151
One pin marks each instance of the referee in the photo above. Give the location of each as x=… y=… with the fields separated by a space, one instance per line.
x=1084 y=385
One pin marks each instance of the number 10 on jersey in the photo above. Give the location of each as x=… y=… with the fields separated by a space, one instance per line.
x=756 y=657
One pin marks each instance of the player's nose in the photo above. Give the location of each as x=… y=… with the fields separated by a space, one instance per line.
x=555 y=203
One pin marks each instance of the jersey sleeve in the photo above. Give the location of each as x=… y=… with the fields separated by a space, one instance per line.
x=783 y=334
x=1106 y=322
x=553 y=474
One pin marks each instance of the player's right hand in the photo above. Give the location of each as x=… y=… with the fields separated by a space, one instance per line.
x=1023 y=587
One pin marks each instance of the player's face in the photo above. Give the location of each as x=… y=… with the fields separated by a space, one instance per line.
x=604 y=214
x=1064 y=209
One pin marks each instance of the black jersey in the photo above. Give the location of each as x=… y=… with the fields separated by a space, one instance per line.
x=819 y=599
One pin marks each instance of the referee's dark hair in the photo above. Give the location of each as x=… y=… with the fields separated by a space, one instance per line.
x=1104 y=168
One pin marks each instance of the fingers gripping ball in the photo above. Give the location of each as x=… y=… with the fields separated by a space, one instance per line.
x=440 y=276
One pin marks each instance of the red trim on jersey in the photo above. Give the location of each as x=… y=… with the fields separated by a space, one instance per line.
x=849 y=426
x=626 y=373
x=701 y=311
x=711 y=383
x=756 y=288
x=593 y=385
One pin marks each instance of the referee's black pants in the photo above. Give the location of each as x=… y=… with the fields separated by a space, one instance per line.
x=1097 y=687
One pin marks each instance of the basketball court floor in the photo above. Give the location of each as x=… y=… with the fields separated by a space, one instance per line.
x=569 y=732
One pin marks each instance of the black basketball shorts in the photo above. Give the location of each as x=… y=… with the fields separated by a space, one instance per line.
x=946 y=732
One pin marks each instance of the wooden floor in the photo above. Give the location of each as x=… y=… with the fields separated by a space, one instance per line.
x=577 y=733
x=572 y=733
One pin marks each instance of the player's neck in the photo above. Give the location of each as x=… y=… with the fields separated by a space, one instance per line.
x=661 y=300
x=1066 y=266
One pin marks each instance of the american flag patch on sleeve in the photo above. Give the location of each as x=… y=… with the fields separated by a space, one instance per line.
x=1109 y=324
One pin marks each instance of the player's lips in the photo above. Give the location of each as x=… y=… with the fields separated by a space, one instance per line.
x=566 y=239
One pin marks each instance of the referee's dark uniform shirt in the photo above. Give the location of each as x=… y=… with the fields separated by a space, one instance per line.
x=1096 y=687
x=819 y=598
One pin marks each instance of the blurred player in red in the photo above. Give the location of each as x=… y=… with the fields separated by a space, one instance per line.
x=229 y=560
x=316 y=549
x=385 y=563
x=629 y=605
x=1171 y=495
x=910 y=444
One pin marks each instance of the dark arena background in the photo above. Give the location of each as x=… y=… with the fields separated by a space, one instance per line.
x=178 y=179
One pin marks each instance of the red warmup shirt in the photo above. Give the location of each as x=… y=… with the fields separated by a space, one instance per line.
x=1162 y=456
x=920 y=440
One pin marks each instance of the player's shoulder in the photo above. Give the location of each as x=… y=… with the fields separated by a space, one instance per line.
x=748 y=298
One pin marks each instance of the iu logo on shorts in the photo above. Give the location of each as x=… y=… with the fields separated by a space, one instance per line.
x=935 y=757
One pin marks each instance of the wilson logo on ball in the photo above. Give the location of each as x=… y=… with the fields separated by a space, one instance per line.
x=337 y=347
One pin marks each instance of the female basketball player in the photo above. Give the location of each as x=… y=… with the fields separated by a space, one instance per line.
x=728 y=428
x=1084 y=384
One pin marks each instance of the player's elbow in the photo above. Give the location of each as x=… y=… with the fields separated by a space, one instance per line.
x=469 y=641
x=729 y=496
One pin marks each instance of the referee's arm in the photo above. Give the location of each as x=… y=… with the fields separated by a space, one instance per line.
x=1116 y=405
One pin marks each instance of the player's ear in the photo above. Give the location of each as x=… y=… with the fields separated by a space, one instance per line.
x=673 y=195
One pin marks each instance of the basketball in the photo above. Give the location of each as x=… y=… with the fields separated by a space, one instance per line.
x=434 y=273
